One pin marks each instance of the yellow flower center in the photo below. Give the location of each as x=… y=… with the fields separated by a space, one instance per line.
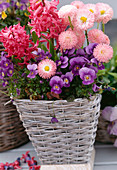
x=2 y=74
x=46 y=57
x=3 y=15
x=77 y=68
x=66 y=80
x=102 y=51
x=47 y=68
x=91 y=10
x=56 y=87
x=59 y=63
x=6 y=82
x=32 y=73
x=99 y=64
x=87 y=77
x=83 y=19
x=6 y=64
x=10 y=71
x=102 y=12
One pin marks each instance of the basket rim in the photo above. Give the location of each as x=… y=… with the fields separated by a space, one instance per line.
x=59 y=101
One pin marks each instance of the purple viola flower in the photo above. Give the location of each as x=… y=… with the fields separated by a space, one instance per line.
x=10 y=72
x=99 y=64
x=80 y=52
x=56 y=83
x=89 y=49
x=5 y=83
x=76 y=63
x=109 y=113
x=87 y=75
x=69 y=53
x=67 y=78
x=33 y=70
x=2 y=73
x=63 y=62
x=18 y=91
x=47 y=55
x=95 y=88
x=113 y=128
x=54 y=120
x=39 y=53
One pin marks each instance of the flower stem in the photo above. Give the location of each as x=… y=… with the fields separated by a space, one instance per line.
x=72 y=27
x=103 y=27
x=4 y=93
x=86 y=37
x=43 y=2
x=98 y=25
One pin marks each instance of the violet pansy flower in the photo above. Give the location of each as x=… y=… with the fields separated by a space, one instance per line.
x=63 y=62
x=33 y=70
x=5 y=83
x=95 y=88
x=75 y=64
x=87 y=75
x=89 y=49
x=99 y=64
x=67 y=78
x=56 y=83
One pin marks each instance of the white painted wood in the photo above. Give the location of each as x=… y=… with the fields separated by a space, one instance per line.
x=105 y=158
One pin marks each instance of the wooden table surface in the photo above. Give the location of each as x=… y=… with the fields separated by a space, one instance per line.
x=105 y=158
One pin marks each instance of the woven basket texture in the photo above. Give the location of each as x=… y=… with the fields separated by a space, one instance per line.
x=70 y=141
x=102 y=135
x=12 y=132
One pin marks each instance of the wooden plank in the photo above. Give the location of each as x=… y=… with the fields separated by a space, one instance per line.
x=88 y=166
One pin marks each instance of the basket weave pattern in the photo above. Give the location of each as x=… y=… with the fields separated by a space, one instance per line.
x=70 y=141
x=12 y=132
x=102 y=134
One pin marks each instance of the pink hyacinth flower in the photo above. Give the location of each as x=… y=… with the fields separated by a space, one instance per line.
x=46 y=68
x=67 y=11
x=68 y=40
x=103 y=53
x=84 y=19
x=97 y=36
x=105 y=13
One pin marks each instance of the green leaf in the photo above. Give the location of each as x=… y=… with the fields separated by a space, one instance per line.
x=51 y=48
x=113 y=74
x=101 y=72
x=106 y=80
x=44 y=47
x=35 y=37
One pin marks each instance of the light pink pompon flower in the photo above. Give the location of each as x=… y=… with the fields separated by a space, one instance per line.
x=67 y=40
x=97 y=36
x=103 y=53
x=92 y=8
x=84 y=19
x=105 y=13
x=67 y=11
x=80 y=37
x=46 y=68
x=78 y=4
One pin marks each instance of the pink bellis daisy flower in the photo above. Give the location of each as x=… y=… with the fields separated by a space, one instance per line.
x=103 y=53
x=106 y=13
x=92 y=8
x=68 y=40
x=67 y=11
x=77 y=4
x=80 y=37
x=46 y=68
x=84 y=19
x=97 y=36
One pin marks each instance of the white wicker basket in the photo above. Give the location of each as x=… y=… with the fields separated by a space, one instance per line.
x=70 y=141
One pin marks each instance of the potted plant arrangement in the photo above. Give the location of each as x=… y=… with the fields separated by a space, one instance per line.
x=11 y=128
x=53 y=77
x=107 y=122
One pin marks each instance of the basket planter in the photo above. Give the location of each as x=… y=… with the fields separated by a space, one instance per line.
x=11 y=128
x=102 y=134
x=70 y=141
